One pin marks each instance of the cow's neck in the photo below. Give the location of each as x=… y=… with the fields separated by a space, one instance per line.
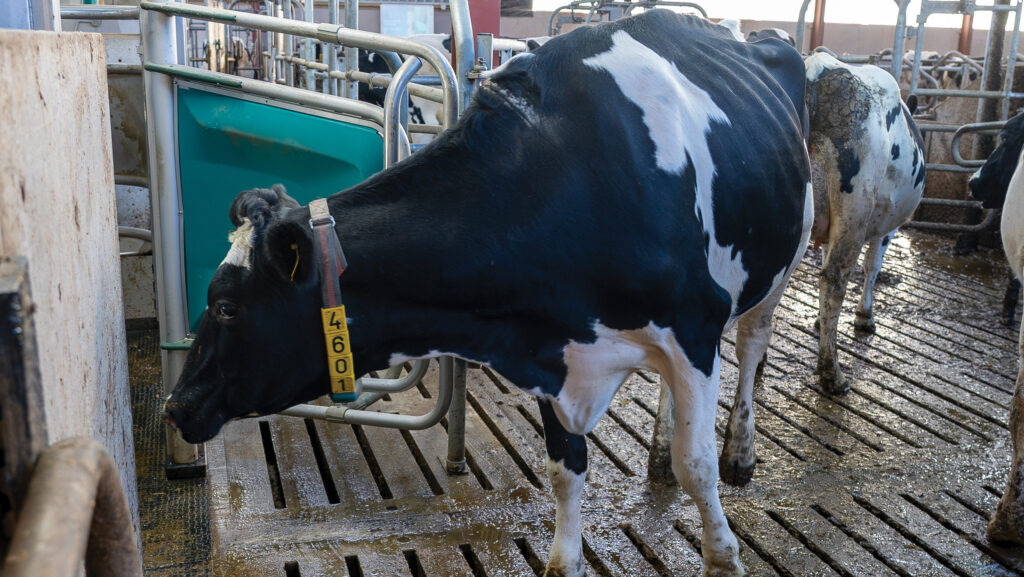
x=423 y=274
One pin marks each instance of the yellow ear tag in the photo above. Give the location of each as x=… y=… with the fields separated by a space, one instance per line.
x=339 y=355
x=295 y=247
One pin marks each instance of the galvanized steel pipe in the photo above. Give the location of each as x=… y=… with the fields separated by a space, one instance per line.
x=343 y=414
x=99 y=12
x=159 y=46
x=393 y=100
x=340 y=35
x=75 y=510
x=276 y=91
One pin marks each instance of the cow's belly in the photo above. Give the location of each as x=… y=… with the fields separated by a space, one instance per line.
x=1012 y=224
x=596 y=371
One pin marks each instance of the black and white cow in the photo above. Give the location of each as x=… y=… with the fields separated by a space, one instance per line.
x=611 y=202
x=868 y=162
x=1000 y=183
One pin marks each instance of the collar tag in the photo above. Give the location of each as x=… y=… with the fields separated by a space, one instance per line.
x=339 y=355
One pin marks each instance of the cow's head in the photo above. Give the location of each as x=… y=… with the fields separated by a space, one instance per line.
x=990 y=183
x=261 y=323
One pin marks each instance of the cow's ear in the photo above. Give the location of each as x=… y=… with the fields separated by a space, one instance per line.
x=260 y=205
x=289 y=249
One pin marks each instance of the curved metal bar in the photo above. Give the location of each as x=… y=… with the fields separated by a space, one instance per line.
x=988 y=221
x=393 y=100
x=373 y=79
x=801 y=22
x=551 y=19
x=974 y=128
x=463 y=49
x=343 y=414
x=332 y=34
x=405 y=383
x=75 y=510
x=278 y=91
x=133 y=232
x=645 y=4
x=100 y=12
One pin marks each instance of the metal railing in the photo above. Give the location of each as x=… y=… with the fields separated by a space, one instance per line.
x=612 y=8
x=160 y=65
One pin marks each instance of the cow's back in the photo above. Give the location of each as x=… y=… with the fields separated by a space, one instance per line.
x=705 y=134
x=866 y=136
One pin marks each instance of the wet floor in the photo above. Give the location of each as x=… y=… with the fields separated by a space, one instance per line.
x=895 y=478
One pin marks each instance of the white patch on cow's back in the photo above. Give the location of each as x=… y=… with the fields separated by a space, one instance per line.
x=241 y=239
x=678 y=115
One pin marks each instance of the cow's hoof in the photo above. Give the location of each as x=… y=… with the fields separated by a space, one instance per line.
x=659 y=468
x=737 y=474
x=863 y=323
x=1007 y=524
x=833 y=382
x=563 y=571
x=731 y=569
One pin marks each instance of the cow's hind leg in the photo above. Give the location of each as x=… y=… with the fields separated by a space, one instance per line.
x=835 y=274
x=864 y=320
x=1007 y=524
x=1010 y=298
x=659 y=459
x=753 y=332
x=694 y=462
x=567 y=472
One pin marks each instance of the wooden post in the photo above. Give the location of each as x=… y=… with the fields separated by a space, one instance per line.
x=23 y=434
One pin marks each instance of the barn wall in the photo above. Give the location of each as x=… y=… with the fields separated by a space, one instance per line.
x=57 y=210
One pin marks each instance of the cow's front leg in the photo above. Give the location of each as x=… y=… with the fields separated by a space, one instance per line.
x=864 y=320
x=835 y=274
x=695 y=465
x=1007 y=524
x=567 y=472
x=659 y=460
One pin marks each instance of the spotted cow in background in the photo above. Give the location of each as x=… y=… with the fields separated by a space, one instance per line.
x=1000 y=184
x=869 y=169
x=611 y=202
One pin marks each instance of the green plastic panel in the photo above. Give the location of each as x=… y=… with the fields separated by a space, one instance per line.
x=228 y=144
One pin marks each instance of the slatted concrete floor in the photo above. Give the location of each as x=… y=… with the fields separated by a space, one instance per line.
x=895 y=478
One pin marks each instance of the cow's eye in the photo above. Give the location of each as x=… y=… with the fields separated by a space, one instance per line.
x=226 y=311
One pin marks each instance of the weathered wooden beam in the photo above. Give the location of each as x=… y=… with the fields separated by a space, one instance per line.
x=23 y=434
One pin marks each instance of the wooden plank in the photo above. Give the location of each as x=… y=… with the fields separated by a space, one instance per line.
x=946 y=547
x=842 y=553
x=971 y=526
x=396 y=462
x=875 y=536
x=500 y=557
x=688 y=525
x=616 y=552
x=352 y=476
x=248 y=480
x=773 y=543
x=300 y=477
x=443 y=558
